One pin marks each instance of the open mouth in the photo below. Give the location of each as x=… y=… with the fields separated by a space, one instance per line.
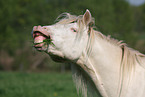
x=41 y=40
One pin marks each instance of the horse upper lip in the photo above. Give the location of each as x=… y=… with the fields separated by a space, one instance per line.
x=38 y=30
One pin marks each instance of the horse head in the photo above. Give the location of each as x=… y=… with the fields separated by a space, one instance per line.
x=65 y=40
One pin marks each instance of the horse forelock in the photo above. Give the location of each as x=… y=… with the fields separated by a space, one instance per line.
x=66 y=18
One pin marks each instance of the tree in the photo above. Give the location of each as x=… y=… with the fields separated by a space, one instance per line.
x=18 y=17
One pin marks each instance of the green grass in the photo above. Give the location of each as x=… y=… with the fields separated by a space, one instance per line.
x=15 y=84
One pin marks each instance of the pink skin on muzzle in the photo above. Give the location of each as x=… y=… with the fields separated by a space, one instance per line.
x=40 y=29
x=39 y=34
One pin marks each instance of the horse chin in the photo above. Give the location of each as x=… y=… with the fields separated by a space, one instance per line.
x=41 y=47
x=57 y=58
x=56 y=55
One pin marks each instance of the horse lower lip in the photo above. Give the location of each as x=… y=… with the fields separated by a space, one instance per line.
x=39 y=49
x=38 y=45
x=41 y=46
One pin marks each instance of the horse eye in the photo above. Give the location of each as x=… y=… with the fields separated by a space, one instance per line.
x=74 y=21
x=73 y=29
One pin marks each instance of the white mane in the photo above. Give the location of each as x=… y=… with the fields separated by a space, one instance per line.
x=128 y=62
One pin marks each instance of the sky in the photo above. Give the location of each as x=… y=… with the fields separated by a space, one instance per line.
x=136 y=2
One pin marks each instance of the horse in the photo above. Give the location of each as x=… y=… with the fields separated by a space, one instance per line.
x=101 y=66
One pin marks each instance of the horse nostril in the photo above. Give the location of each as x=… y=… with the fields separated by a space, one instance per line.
x=37 y=30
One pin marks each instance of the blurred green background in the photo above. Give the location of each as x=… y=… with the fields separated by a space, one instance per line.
x=32 y=73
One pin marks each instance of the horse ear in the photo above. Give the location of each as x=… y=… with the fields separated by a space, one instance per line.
x=87 y=17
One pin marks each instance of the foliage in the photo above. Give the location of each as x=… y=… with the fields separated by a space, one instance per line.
x=114 y=17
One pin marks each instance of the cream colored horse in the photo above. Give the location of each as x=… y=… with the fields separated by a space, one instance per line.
x=101 y=66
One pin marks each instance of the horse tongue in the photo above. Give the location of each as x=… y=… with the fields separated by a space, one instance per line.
x=39 y=39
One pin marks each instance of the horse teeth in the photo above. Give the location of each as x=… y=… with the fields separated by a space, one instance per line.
x=38 y=41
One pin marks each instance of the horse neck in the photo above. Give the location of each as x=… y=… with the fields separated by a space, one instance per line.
x=104 y=54
x=103 y=62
